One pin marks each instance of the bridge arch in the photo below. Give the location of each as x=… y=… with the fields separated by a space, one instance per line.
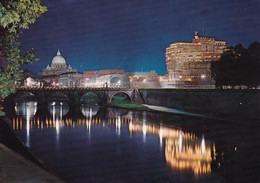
x=90 y=98
x=25 y=96
x=58 y=96
x=121 y=95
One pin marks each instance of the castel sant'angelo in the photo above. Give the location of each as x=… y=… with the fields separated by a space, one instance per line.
x=188 y=64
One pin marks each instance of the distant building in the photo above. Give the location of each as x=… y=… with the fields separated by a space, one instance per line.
x=120 y=78
x=144 y=80
x=103 y=72
x=73 y=79
x=108 y=80
x=58 y=66
x=188 y=64
x=30 y=82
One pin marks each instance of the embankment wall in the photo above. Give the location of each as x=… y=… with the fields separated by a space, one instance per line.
x=231 y=104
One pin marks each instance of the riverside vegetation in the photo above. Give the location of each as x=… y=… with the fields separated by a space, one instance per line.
x=14 y=17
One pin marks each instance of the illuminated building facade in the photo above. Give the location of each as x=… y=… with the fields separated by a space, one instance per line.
x=144 y=80
x=120 y=78
x=107 y=80
x=103 y=72
x=74 y=79
x=188 y=64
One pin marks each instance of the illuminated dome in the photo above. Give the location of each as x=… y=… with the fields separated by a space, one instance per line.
x=58 y=66
x=58 y=60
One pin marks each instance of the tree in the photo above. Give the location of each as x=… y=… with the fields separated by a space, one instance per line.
x=222 y=71
x=15 y=16
x=238 y=67
x=254 y=51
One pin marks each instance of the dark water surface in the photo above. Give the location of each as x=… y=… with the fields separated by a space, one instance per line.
x=95 y=144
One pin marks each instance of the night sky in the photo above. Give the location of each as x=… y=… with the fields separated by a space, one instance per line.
x=133 y=34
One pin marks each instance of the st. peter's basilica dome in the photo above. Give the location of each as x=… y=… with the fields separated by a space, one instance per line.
x=58 y=66
x=58 y=60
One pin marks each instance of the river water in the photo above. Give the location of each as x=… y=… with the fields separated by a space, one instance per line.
x=97 y=144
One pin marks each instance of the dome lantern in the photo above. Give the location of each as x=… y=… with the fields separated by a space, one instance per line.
x=58 y=52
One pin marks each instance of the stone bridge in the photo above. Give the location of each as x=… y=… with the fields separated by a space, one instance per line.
x=75 y=95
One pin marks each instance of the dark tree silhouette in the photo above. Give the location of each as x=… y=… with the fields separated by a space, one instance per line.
x=254 y=51
x=238 y=67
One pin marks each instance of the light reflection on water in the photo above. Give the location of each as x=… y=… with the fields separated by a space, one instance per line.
x=28 y=111
x=58 y=109
x=89 y=110
x=183 y=151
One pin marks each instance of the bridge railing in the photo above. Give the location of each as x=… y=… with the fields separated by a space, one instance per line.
x=71 y=88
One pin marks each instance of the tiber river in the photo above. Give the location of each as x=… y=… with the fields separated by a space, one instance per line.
x=118 y=145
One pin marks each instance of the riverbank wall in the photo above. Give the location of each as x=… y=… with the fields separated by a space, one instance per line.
x=9 y=139
x=238 y=105
x=17 y=163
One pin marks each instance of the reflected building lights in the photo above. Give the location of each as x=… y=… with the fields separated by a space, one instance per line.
x=57 y=123
x=203 y=146
x=88 y=113
x=191 y=157
x=41 y=125
x=53 y=112
x=130 y=127
x=161 y=136
x=28 y=110
x=118 y=125
x=89 y=110
x=57 y=126
x=183 y=151
x=89 y=120
x=180 y=143
x=27 y=127
x=88 y=124
x=61 y=112
x=144 y=129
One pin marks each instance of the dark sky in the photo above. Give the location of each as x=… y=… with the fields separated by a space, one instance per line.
x=133 y=34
